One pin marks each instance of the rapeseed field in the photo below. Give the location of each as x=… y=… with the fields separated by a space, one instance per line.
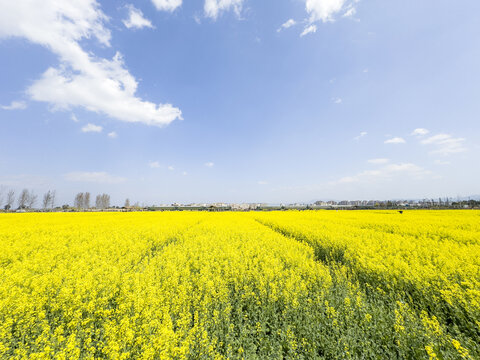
x=257 y=285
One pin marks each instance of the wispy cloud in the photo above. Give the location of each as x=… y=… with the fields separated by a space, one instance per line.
x=441 y=162
x=350 y=12
x=361 y=135
x=395 y=140
x=445 y=144
x=209 y=164
x=112 y=135
x=93 y=177
x=325 y=10
x=135 y=19
x=378 y=161
x=171 y=168
x=309 y=30
x=24 y=180
x=167 y=5
x=154 y=164
x=262 y=182
x=386 y=172
x=74 y=118
x=213 y=8
x=419 y=132
x=287 y=24
x=15 y=105
x=337 y=100
x=92 y=128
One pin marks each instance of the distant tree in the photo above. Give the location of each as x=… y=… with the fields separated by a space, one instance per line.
x=102 y=201
x=127 y=203
x=86 y=200
x=79 y=201
x=53 y=195
x=105 y=201
x=23 y=199
x=32 y=199
x=98 y=202
x=10 y=199
x=2 y=191
x=47 y=199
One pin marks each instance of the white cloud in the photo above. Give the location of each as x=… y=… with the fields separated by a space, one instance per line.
x=419 y=132
x=184 y=173
x=209 y=164
x=24 y=180
x=15 y=105
x=365 y=70
x=112 y=135
x=378 y=161
x=171 y=168
x=350 y=12
x=287 y=24
x=441 y=162
x=106 y=87
x=261 y=182
x=135 y=19
x=197 y=19
x=386 y=172
x=362 y=134
x=74 y=117
x=92 y=128
x=213 y=8
x=337 y=100
x=324 y=10
x=81 y=80
x=167 y=5
x=395 y=140
x=308 y=30
x=154 y=164
x=93 y=177
x=445 y=144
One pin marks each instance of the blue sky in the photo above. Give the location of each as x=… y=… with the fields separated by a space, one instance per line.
x=240 y=101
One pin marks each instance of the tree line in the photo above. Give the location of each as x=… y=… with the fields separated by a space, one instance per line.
x=28 y=199
x=82 y=201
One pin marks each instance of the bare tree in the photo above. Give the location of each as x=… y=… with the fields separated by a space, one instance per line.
x=98 y=202
x=32 y=199
x=23 y=199
x=53 y=194
x=102 y=201
x=79 y=200
x=127 y=203
x=47 y=199
x=2 y=191
x=86 y=200
x=10 y=199
x=106 y=201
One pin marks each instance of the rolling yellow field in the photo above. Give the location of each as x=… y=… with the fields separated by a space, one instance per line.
x=259 y=285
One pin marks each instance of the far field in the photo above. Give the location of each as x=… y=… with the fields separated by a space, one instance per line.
x=257 y=285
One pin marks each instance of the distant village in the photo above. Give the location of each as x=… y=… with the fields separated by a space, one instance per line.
x=345 y=204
